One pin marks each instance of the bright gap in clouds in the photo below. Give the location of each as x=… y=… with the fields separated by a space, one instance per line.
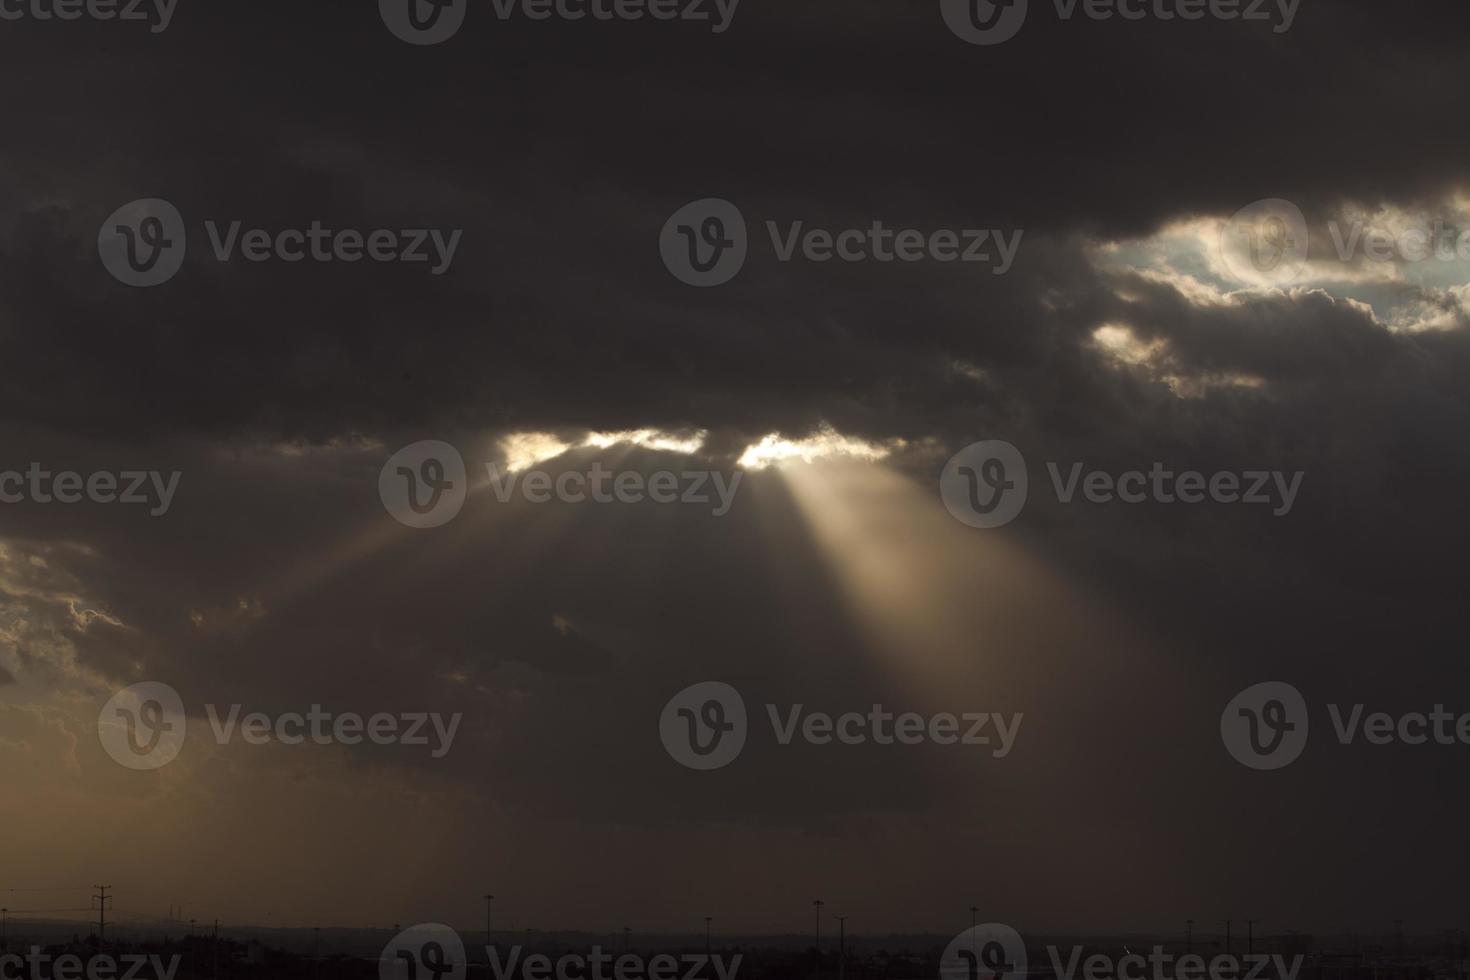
x=827 y=443
x=522 y=450
x=1411 y=268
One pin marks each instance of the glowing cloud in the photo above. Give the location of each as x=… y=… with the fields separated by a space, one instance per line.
x=773 y=450
x=525 y=449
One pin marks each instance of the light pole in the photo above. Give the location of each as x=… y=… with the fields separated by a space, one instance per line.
x=1188 y=936
x=842 y=947
x=707 y=920
x=1250 y=936
x=489 y=901
x=818 y=906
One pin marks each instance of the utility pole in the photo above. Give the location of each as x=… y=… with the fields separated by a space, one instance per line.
x=818 y=906
x=316 y=951
x=4 y=938
x=706 y=937
x=1227 y=937
x=1188 y=936
x=842 y=947
x=489 y=902
x=216 y=949
x=102 y=898
x=626 y=931
x=1250 y=937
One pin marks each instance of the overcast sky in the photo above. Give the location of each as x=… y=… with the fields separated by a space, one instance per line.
x=1119 y=337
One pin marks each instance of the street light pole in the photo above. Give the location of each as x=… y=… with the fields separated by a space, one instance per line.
x=842 y=947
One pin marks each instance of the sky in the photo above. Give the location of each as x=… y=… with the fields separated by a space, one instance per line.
x=1132 y=328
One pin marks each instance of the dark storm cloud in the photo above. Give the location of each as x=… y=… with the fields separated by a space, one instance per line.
x=560 y=149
